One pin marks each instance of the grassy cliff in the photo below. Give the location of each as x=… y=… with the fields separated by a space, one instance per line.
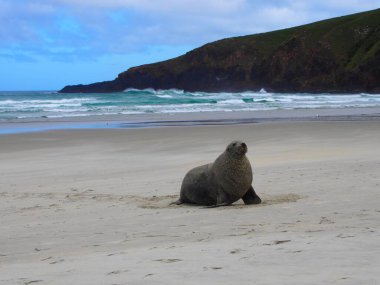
x=335 y=55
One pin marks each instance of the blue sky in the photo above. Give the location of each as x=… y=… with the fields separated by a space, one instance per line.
x=47 y=44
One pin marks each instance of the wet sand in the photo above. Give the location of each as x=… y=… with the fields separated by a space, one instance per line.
x=151 y=120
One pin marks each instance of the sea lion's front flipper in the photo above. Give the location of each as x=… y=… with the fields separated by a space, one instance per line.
x=251 y=197
x=217 y=205
x=222 y=199
x=178 y=202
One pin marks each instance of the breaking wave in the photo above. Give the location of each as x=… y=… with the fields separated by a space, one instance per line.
x=133 y=101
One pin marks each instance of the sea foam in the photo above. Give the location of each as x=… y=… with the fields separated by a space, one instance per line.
x=31 y=105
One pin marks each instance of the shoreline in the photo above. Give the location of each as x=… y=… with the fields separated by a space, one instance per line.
x=188 y=119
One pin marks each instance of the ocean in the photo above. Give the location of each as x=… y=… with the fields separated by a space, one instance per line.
x=33 y=104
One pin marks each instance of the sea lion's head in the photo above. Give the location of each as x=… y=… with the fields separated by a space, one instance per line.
x=237 y=148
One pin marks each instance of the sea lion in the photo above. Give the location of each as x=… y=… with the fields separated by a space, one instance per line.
x=221 y=183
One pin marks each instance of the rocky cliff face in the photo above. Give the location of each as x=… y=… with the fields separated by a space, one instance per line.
x=336 y=55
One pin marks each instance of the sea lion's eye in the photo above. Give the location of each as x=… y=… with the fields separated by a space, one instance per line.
x=234 y=144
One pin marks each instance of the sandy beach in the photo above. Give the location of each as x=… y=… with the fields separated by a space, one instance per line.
x=91 y=206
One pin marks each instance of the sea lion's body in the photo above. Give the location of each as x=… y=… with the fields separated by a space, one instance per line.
x=223 y=182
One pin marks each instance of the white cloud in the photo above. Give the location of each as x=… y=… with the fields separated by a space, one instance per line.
x=72 y=24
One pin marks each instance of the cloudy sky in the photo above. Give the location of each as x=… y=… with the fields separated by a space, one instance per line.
x=46 y=44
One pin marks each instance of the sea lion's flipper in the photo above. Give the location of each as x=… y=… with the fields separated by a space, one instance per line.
x=251 y=197
x=222 y=199
x=178 y=202
x=217 y=205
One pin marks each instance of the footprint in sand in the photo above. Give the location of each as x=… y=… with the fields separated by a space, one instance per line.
x=168 y=260
x=117 y=272
x=325 y=220
x=57 y=261
x=277 y=242
x=116 y=253
x=212 y=267
x=32 y=282
x=344 y=236
x=148 y=275
x=234 y=251
x=281 y=241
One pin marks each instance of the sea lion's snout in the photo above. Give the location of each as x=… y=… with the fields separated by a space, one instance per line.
x=243 y=148
x=237 y=147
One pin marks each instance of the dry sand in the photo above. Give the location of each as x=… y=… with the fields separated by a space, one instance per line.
x=91 y=207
